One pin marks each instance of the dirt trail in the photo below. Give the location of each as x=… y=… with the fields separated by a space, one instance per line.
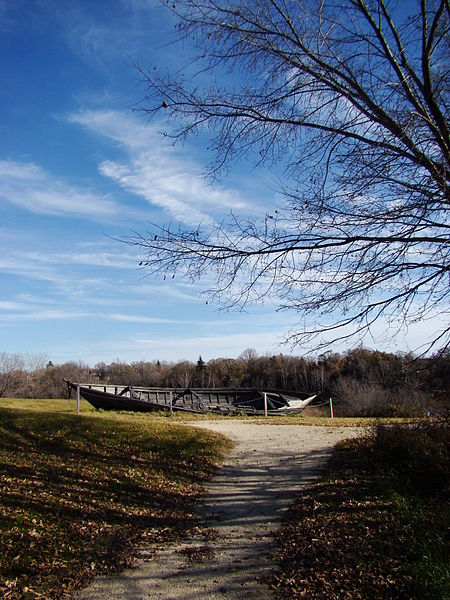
x=245 y=503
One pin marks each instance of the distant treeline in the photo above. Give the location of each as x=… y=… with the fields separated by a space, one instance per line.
x=361 y=381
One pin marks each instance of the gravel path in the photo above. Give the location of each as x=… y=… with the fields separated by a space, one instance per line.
x=245 y=502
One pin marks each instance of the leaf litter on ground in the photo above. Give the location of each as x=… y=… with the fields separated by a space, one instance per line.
x=79 y=494
x=376 y=525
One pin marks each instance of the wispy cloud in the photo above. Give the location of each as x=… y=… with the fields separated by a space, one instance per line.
x=13 y=264
x=32 y=188
x=142 y=319
x=47 y=265
x=209 y=346
x=123 y=32
x=11 y=311
x=157 y=171
x=8 y=305
x=99 y=43
x=113 y=260
x=176 y=292
x=43 y=315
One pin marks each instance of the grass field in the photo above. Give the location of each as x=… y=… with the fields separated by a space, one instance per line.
x=377 y=526
x=79 y=492
x=69 y=407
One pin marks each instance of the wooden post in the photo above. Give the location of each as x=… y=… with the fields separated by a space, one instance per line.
x=331 y=408
x=171 y=403
x=78 y=399
x=265 y=404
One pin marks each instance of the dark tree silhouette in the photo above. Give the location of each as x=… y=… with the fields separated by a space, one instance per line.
x=350 y=99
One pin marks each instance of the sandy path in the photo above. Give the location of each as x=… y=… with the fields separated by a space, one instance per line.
x=245 y=502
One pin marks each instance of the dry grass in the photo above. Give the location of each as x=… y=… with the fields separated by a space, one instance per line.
x=69 y=407
x=78 y=493
x=377 y=525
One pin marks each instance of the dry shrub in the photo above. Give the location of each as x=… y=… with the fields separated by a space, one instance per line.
x=317 y=411
x=359 y=399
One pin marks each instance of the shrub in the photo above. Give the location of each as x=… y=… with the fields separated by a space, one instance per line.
x=359 y=399
x=418 y=456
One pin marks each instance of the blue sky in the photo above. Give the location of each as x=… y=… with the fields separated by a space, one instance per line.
x=79 y=167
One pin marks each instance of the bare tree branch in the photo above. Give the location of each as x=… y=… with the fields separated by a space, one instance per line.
x=350 y=99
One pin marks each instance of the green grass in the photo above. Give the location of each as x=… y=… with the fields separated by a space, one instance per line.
x=47 y=405
x=377 y=525
x=78 y=493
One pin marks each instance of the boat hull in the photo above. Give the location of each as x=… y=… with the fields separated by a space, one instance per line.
x=200 y=401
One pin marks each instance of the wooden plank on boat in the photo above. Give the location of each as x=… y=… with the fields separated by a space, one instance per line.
x=196 y=400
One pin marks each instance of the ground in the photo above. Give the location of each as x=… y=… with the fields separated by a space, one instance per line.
x=231 y=557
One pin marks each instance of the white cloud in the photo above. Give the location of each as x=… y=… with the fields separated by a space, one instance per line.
x=43 y=315
x=98 y=259
x=142 y=319
x=162 y=174
x=210 y=346
x=100 y=42
x=170 y=348
x=181 y=292
x=20 y=267
x=8 y=305
x=113 y=37
x=29 y=186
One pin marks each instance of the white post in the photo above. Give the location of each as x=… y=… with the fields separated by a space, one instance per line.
x=171 y=403
x=265 y=404
x=331 y=408
x=78 y=399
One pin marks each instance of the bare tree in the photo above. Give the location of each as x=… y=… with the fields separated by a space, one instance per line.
x=12 y=368
x=348 y=100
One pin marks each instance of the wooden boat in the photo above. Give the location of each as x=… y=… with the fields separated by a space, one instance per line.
x=248 y=401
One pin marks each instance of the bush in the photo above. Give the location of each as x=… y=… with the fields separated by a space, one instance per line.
x=418 y=456
x=359 y=399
